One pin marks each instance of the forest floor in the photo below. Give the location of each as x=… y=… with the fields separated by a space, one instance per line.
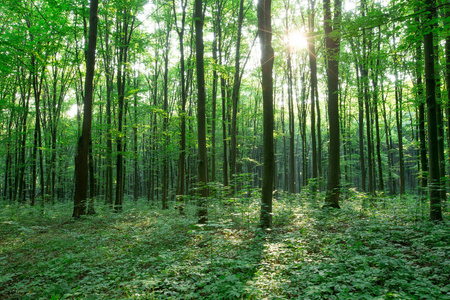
x=387 y=250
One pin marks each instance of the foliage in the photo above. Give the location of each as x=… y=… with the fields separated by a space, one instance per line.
x=386 y=251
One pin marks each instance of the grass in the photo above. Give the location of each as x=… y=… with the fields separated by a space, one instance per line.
x=385 y=251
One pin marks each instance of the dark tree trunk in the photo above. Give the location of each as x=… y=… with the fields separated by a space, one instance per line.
x=313 y=68
x=375 y=108
x=22 y=149
x=135 y=144
x=201 y=114
x=181 y=186
x=267 y=59
x=235 y=97
x=109 y=80
x=214 y=104
x=125 y=27
x=81 y=160
x=399 y=121
x=362 y=160
x=165 y=179
x=332 y=44
x=223 y=96
x=447 y=79
x=433 y=151
x=389 y=146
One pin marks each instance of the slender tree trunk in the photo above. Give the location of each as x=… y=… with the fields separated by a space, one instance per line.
x=214 y=104
x=375 y=108
x=235 y=97
x=440 y=122
x=399 y=121
x=365 y=89
x=319 y=142
x=135 y=143
x=109 y=81
x=23 y=139
x=447 y=79
x=332 y=44
x=291 y=170
x=201 y=114
x=433 y=151
x=284 y=159
x=181 y=186
x=313 y=68
x=125 y=27
x=223 y=91
x=303 y=132
x=362 y=160
x=165 y=188
x=389 y=146
x=267 y=59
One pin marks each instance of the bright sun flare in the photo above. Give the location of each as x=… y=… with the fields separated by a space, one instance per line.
x=296 y=40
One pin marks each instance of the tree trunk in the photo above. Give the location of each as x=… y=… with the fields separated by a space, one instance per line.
x=223 y=96
x=291 y=170
x=165 y=179
x=235 y=97
x=267 y=59
x=201 y=114
x=375 y=102
x=125 y=27
x=313 y=68
x=332 y=44
x=447 y=78
x=433 y=150
x=81 y=160
x=135 y=143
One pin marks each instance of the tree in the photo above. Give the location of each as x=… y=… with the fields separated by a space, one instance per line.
x=181 y=190
x=235 y=97
x=434 y=184
x=313 y=69
x=332 y=45
x=267 y=59
x=81 y=160
x=201 y=113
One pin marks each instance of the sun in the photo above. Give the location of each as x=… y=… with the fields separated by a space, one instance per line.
x=296 y=40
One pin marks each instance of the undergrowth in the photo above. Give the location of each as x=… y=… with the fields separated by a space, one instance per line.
x=370 y=249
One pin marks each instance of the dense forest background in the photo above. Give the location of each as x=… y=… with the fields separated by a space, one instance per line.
x=154 y=149
x=144 y=141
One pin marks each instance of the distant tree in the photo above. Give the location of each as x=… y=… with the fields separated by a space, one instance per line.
x=181 y=185
x=313 y=84
x=235 y=97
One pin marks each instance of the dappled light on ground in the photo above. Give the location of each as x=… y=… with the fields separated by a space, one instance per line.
x=384 y=251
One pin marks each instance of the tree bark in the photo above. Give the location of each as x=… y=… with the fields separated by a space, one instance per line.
x=433 y=151
x=267 y=59
x=332 y=44
x=81 y=160
x=201 y=115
